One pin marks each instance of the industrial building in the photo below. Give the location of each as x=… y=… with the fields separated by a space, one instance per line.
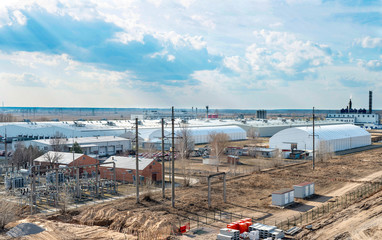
x=304 y=190
x=199 y=135
x=360 y=117
x=100 y=146
x=283 y=197
x=148 y=129
x=327 y=138
x=54 y=159
x=149 y=169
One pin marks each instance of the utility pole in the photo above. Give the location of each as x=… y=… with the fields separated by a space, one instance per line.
x=207 y=111
x=6 y=148
x=163 y=167
x=173 y=160
x=136 y=159
x=314 y=147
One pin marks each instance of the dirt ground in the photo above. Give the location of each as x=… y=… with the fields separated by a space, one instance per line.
x=361 y=220
x=247 y=196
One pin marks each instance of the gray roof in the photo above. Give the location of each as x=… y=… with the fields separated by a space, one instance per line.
x=63 y=157
x=129 y=162
x=282 y=191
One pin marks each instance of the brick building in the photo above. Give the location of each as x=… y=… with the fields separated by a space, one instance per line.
x=149 y=169
x=64 y=158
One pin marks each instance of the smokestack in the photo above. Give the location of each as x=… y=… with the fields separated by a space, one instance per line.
x=370 y=102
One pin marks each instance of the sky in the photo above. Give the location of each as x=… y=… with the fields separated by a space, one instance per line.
x=257 y=54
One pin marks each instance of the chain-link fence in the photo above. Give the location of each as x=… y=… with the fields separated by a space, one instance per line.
x=333 y=205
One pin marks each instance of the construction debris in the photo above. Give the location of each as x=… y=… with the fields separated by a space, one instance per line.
x=24 y=229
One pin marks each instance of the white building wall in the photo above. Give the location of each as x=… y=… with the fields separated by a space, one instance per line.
x=333 y=138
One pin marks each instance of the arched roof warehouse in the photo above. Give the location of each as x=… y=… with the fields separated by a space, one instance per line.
x=200 y=135
x=332 y=138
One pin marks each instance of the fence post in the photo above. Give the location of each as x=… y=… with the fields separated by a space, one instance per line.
x=231 y=217
x=197 y=221
x=288 y=223
x=318 y=211
x=294 y=220
x=300 y=218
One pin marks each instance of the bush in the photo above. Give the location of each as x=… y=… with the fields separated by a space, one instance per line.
x=7 y=212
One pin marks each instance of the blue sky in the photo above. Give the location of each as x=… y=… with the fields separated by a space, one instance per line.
x=190 y=53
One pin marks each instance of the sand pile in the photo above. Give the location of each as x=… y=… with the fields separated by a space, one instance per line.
x=129 y=221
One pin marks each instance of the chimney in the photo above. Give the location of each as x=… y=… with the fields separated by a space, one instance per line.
x=370 y=102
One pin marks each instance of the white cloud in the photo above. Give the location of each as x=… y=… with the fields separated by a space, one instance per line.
x=281 y=52
x=369 y=42
x=126 y=37
x=373 y=65
x=204 y=21
x=170 y=58
x=179 y=40
x=276 y=25
x=19 y=17
x=186 y=3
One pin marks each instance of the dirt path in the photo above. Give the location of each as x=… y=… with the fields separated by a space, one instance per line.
x=351 y=186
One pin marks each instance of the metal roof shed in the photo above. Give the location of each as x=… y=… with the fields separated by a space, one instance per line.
x=303 y=190
x=283 y=197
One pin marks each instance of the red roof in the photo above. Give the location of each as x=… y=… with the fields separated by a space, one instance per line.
x=304 y=184
x=282 y=191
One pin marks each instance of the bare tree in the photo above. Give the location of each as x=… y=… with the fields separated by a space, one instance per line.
x=65 y=199
x=8 y=211
x=151 y=149
x=276 y=160
x=184 y=142
x=324 y=151
x=24 y=156
x=7 y=117
x=184 y=146
x=52 y=158
x=58 y=142
x=218 y=142
x=253 y=137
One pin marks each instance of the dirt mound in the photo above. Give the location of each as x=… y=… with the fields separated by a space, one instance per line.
x=130 y=221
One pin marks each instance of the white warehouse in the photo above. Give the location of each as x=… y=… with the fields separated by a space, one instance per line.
x=101 y=146
x=331 y=138
x=200 y=135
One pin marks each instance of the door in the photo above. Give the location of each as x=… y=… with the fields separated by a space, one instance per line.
x=154 y=177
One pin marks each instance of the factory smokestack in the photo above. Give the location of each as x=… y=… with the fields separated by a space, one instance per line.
x=370 y=102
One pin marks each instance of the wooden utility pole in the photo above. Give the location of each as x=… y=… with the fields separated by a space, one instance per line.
x=314 y=147
x=173 y=160
x=163 y=167
x=6 y=149
x=136 y=159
